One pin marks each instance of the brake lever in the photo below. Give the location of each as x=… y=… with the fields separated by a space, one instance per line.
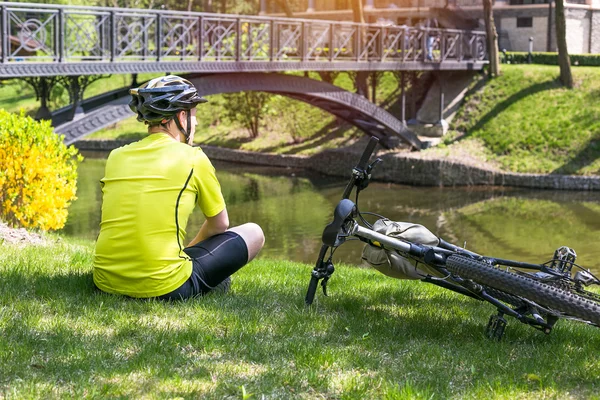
x=372 y=165
x=324 y=285
x=328 y=272
x=363 y=177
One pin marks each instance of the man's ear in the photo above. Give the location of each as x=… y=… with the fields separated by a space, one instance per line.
x=181 y=116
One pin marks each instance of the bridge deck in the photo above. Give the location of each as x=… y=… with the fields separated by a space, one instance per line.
x=49 y=40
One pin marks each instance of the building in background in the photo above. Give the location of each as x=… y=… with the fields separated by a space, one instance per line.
x=516 y=20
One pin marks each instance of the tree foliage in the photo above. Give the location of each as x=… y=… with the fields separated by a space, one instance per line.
x=248 y=108
x=38 y=173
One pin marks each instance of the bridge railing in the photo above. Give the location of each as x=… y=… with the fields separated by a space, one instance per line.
x=71 y=34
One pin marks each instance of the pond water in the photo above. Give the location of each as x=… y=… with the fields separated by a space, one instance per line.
x=294 y=206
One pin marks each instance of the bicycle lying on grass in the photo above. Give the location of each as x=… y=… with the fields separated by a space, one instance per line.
x=535 y=294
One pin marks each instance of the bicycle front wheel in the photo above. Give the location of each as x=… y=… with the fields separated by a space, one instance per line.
x=545 y=295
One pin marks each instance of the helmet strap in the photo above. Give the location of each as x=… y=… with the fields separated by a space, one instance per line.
x=188 y=138
x=186 y=132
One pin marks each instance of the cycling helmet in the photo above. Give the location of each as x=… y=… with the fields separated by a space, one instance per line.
x=158 y=100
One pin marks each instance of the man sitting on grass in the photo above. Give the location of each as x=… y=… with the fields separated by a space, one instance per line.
x=149 y=190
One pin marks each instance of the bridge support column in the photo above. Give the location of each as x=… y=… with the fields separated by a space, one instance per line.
x=403 y=96
x=43 y=86
x=311 y=6
x=375 y=75
x=442 y=123
x=76 y=86
x=413 y=99
x=360 y=82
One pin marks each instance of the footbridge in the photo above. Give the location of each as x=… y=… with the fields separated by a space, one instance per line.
x=53 y=44
x=351 y=107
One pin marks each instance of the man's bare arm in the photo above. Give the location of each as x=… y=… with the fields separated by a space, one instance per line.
x=212 y=226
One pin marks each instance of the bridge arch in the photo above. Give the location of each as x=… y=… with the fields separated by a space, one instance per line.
x=351 y=107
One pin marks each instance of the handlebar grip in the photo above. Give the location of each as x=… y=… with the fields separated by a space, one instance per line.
x=312 y=289
x=364 y=159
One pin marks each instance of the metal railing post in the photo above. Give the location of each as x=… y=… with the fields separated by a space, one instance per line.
x=272 y=40
x=113 y=36
x=380 y=43
x=238 y=39
x=62 y=28
x=357 y=44
x=145 y=39
x=158 y=36
x=331 y=39
x=304 y=42
x=200 y=38
x=442 y=46
x=424 y=40
x=4 y=33
x=404 y=37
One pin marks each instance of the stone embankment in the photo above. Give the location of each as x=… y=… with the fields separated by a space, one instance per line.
x=403 y=167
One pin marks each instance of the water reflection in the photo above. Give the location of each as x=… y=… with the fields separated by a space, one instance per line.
x=294 y=206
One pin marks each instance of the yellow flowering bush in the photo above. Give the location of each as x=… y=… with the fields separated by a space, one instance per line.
x=38 y=173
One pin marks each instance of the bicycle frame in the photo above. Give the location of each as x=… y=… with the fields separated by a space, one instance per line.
x=345 y=224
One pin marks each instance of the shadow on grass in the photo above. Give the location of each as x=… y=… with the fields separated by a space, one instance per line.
x=591 y=151
x=503 y=105
x=218 y=140
x=586 y=156
x=261 y=335
x=332 y=130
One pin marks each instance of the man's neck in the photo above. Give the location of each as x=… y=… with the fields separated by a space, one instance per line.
x=159 y=129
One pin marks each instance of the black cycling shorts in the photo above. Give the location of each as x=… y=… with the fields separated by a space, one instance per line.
x=213 y=260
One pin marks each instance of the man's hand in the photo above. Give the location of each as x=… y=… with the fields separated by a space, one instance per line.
x=212 y=226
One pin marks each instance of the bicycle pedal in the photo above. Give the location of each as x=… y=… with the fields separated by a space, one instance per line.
x=495 y=327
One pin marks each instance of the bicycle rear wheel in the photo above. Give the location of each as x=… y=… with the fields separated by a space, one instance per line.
x=518 y=285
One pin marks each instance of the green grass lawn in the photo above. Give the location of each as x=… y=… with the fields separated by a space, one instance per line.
x=529 y=123
x=374 y=337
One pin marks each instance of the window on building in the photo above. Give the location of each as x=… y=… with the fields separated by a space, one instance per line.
x=524 y=22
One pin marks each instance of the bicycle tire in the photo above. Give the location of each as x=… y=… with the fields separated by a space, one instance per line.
x=515 y=301
x=518 y=285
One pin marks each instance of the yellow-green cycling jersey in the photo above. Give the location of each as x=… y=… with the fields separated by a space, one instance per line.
x=149 y=190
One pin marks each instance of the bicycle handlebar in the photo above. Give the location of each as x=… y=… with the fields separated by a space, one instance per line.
x=361 y=166
x=364 y=159
x=320 y=270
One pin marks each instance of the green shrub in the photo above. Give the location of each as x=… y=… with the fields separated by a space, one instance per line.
x=247 y=108
x=517 y=57
x=38 y=173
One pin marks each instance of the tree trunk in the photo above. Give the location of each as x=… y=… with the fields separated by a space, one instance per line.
x=286 y=8
x=492 y=38
x=208 y=6
x=361 y=77
x=358 y=12
x=561 y=42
